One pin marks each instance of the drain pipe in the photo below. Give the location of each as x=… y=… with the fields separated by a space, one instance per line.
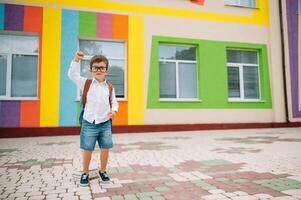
x=283 y=61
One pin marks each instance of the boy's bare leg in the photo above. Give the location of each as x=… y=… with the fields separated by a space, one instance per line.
x=86 y=160
x=104 y=155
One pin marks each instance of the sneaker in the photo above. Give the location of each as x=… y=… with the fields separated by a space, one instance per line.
x=103 y=177
x=84 y=180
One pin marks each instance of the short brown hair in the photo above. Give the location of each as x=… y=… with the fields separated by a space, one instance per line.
x=98 y=59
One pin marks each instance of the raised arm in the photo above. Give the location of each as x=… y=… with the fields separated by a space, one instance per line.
x=74 y=70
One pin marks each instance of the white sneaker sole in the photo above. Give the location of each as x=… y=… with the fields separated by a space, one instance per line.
x=84 y=185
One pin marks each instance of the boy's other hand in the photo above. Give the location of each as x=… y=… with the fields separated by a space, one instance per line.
x=112 y=114
x=78 y=56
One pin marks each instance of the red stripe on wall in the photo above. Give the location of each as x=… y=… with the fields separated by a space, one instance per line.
x=120 y=27
x=30 y=110
x=33 y=19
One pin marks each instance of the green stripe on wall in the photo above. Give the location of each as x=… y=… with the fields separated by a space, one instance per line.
x=87 y=24
x=212 y=77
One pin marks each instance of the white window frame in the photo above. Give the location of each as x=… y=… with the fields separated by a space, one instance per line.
x=238 y=4
x=88 y=57
x=241 y=79
x=9 y=70
x=177 y=77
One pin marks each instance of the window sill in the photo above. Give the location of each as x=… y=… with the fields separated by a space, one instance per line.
x=19 y=99
x=246 y=101
x=180 y=100
x=235 y=5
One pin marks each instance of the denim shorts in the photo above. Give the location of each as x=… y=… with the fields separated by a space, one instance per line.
x=90 y=133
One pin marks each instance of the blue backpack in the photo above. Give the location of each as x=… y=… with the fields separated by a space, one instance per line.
x=83 y=100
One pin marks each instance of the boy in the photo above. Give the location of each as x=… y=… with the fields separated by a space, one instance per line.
x=98 y=114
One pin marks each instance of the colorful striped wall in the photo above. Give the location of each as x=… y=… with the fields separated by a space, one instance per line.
x=56 y=104
x=26 y=19
x=258 y=17
x=80 y=24
x=60 y=29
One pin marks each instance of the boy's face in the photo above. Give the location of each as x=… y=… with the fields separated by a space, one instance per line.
x=99 y=69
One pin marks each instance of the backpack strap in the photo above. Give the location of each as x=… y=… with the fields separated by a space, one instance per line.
x=86 y=88
x=110 y=86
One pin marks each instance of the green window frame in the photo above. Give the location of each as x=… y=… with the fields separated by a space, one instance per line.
x=212 y=75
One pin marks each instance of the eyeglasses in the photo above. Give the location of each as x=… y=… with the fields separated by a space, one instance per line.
x=99 y=68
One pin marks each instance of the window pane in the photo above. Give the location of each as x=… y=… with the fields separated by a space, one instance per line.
x=85 y=69
x=233 y=56
x=186 y=53
x=233 y=82
x=299 y=6
x=187 y=80
x=116 y=76
x=3 y=68
x=15 y=43
x=106 y=48
x=167 y=80
x=24 y=76
x=232 y=2
x=249 y=57
x=167 y=52
x=248 y=3
x=178 y=52
x=115 y=52
x=238 y=56
x=251 y=82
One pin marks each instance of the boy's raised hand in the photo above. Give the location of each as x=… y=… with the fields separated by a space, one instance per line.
x=78 y=56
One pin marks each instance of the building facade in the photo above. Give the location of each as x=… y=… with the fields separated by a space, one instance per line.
x=179 y=62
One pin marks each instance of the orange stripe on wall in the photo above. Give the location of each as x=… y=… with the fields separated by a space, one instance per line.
x=30 y=110
x=120 y=27
x=122 y=116
x=120 y=31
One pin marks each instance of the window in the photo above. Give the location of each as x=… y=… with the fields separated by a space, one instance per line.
x=178 y=72
x=243 y=3
x=243 y=75
x=299 y=2
x=115 y=52
x=18 y=66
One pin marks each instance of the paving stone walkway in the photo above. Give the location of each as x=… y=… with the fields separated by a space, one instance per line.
x=209 y=165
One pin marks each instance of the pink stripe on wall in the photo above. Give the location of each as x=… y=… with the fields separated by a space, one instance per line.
x=104 y=25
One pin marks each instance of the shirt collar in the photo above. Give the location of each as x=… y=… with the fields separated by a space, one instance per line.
x=95 y=81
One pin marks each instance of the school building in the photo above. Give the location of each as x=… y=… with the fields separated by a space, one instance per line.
x=175 y=65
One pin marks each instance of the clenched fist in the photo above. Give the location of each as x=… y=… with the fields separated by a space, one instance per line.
x=78 y=56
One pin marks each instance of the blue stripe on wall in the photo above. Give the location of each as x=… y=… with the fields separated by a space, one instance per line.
x=2 y=9
x=69 y=45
